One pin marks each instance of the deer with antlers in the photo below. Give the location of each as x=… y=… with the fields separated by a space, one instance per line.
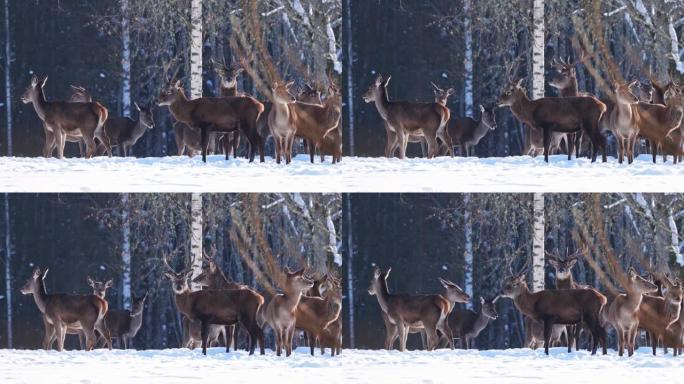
x=217 y=307
x=404 y=119
x=64 y=119
x=62 y=311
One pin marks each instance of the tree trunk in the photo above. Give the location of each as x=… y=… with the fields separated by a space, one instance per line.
x=468 y=258
x=196 y=236
x=350 y=270
x=8 y=239
x=195 y=49
x=468 y=60
x=125 y=62
x=538 y=50
x=350 y=77
x=8 y=78
x=125 y=253
x=538 y=243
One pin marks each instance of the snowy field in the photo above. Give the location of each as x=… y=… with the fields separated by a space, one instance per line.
x=353 y=366
x=182 y=174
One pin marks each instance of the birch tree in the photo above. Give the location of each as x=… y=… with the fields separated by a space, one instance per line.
x=125 y=253
x=468 y=257
x=538 y=243
x=538 y=49
x=8 y=238
x=126 y=112
x=350 y=79
x=196 y=235
x=468 y=60
x=350 y=269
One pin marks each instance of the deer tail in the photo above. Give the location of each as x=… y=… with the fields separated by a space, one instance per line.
x=102 y=115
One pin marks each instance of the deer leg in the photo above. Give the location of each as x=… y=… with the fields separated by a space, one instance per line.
x=279 y=340
x=443 y=326
x=390 y=334
x=60 y=333
x=547 y=143
x=204 y=332
x=433 y=146
x=570 y=143
x=570 y=336
x=49 y=144
x=204 y=132
x=403 y=333
x=59 y=142
x=236 y=144
x=547 y=334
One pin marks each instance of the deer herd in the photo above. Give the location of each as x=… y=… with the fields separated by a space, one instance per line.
x=551 y=121
x=652 y=304
x=204 y=124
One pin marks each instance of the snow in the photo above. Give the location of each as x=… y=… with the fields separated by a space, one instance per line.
x=352 y=366
x=353 y=174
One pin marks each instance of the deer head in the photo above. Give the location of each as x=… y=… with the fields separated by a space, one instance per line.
x=171 y=93
x=441 y=95
x=624 y=94
x=488 y=117
x=179 y=280
x=145 y=115
x=376 y=89
x=228 y=75
x=297 y=281
x=281 y=93
x=453 y=292
x=512 y=93
x=378 y=279
x=34 y=90
x=33 y=283
x=514 y=286
x=637 y=284
x=309 y=94
x=489 y=307
x=99 y=287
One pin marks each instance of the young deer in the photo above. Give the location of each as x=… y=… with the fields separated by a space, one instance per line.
x=319 y=125
x=622 y=312
x=466 y=324
x=566 y=306
x=281 y=311
x=65 y=119
x=124 y=324
x=215 y=114
x=124 y=132
x=315 y=313
x=62 y=311
x=218 y=307
x=428 y=312
x=623 y=120
x=281 y=121
x=656 y=314
x=404 y=119
x=466 y=132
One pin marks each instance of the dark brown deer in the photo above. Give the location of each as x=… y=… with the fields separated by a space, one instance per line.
x=467 y=324
x=124 y=324
x=623 y=120
x=190 y=139
x=218 y=307
x=622 y=312
x=656 y=314
x=215 y=114
x=315 y=314
x=319 y=125
x=280 y=313
x=405 y=119
x=428 y=312
x=658 y=92
x=557 y=114
x=228 y=76
x=65 y=119
x=566 y=306
x=62 y=311
x=78 y=95
x=124 y=132
x=658 y=122
x=466 y=132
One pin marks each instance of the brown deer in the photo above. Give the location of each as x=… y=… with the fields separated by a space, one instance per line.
x=190 y=139
x=622 y=312
x=78 y=95
x=658 y=92
x=319 y=125
x=62 y=311
x=557 y=114
x=281 y=121
x=315 y=313
x=280 y=313
x=99 y=287
x=228 y=76
x=674 y=335
x=65 y=119
x=215 y=114
x=658 y=122
x=428 y=312
x=566 y=306
x=466 y=132
x=623 y=120
x=467 y=324
x=217 y=307
x=124 y=324
x=656 y=314
x=405 y=119
x=124 y=132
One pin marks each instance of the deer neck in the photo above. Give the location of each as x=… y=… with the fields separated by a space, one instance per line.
x=572 y=89
x=181 y=108
x=566 y=283
x=673 y=115
x=383 y=296
x=481 y=129
x=282 y=111
x=39 y=103
x=227 y=91
x=183 y=302
x=382 y=103
x=138 y=128
x=40 y=296
x=633 y=299
x=525 y=301
x=292 y=298
x=625 y=112
x=480 y=322
x=334 y=307
x=522 y=108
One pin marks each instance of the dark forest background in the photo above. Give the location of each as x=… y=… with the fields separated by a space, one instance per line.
x=76 y=235
x=422 y=237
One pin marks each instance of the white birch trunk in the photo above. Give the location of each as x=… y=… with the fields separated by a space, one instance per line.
x=468 y=60
x=8 y=270
x=674 y=237
x=538 y=243
x=332 y=46
x=350 y=79
x=332 y=238
x=8 y=239
x=350 y=270
x=8 y=79
x=538 y=50
x=196 y=236
x=468 y=257
x=674 y=46
x=125 y=61
x=195 y=49
x=125 y=253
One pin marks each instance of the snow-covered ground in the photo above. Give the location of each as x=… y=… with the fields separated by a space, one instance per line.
x=353 y=174
x=353 y=366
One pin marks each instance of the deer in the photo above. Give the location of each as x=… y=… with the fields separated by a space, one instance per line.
x=65 y=119
x=404 y=119
x=228 y=76
x=656 y=314
x=623 y=311
x=281 y=121
x=280 y=313
x=319 y=124
x=190 y=139
x=658 y=122
x=215 y=114
x=674 y=334
x=467 y=132
x=62 y=311
x=124 y=324
x=557 y=114
x=124 y=132
x=623 y=120
x=428 y=312
x=212 y=277
x=563 y=306
x=317 y=311
x=217 y=307
x=78 y=95
x=467 y=324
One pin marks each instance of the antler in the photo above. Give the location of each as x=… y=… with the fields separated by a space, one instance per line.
x=166 y=264
x=167 y=66
x=512 y=68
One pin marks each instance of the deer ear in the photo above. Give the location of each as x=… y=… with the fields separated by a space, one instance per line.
x=34 y=80
x=378 y=81
x=179 y=84
x=632 y=273
x=45 y=273
x=289 y=84
x=36 y=273
x=170 y=275
x=109 y=283
x=482 y=300
x=388 y=80
x=90 y=281
x=299 y=272
x=42 y=83
x=573 y=262
x=388 y=272
x=136 y=106
x=377 y=272
x=482 y=109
